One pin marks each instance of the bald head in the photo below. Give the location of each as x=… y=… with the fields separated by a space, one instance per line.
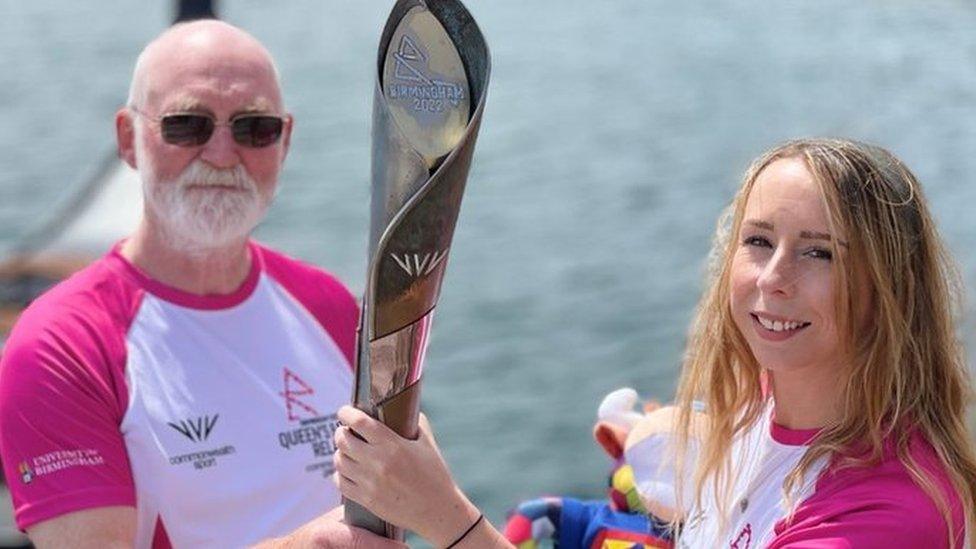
x=188 y=53
x=204 y=69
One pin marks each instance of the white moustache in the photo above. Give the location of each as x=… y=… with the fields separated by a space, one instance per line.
x=201 y=174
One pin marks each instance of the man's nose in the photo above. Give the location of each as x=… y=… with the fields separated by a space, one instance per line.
x=778 y=275
x=221 y=151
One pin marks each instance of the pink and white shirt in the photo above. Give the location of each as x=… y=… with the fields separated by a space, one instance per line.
x=851 y=508
x=212 y=415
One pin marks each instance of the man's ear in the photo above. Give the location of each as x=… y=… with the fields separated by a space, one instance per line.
x=125 y=136
x=286 y=136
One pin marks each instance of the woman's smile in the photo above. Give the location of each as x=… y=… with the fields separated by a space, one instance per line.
x=776 y=328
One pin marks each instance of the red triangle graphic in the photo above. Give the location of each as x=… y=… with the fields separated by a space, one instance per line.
x=290 y=378
x=160 y=537
x=292 y=403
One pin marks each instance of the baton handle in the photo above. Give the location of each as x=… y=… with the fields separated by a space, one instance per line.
x=401 y=413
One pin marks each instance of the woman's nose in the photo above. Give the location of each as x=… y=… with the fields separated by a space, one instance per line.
x=778 y=275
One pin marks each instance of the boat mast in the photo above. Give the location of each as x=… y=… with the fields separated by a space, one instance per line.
x=188 y=10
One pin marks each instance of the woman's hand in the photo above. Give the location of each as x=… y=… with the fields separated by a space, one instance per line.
x=405 y=482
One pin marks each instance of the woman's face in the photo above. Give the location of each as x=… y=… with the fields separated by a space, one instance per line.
x=782 y=288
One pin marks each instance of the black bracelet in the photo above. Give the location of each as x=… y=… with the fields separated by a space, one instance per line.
x=481 y=517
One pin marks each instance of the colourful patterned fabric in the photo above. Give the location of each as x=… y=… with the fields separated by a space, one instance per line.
x=623 y=491
x=571 y=523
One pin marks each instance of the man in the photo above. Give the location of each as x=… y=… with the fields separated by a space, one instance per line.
x=182 y=389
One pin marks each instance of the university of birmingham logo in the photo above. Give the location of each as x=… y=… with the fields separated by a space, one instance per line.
x=197 y=429
x=26 y=475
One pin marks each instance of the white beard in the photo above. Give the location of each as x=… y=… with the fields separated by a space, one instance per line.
x=204 y=207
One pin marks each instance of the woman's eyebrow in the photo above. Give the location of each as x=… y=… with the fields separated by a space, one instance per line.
x=809 y=235
x=814 y=235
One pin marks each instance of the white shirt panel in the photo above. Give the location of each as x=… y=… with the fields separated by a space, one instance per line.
x=231 y=416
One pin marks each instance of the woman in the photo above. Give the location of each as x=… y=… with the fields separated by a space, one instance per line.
x=825 y=352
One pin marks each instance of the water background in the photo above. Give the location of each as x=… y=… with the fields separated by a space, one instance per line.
x=615 y=132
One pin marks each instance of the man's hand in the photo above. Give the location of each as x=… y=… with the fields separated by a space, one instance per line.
x=329 y=532
x=99 y=527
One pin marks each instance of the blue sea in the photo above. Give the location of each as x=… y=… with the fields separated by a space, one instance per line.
x=615 y=133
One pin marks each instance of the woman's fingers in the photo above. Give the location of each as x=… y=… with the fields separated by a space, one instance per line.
x=349 y=488
x=367 y=428
x=358 y=485
x=354 y=470
x=349 y=443
x=353 y=476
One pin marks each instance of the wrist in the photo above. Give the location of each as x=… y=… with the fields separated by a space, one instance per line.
x=456 y=517
x=483 y=536
x=470 y=537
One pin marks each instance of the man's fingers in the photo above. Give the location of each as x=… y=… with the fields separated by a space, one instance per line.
x=337 y=512
x=330 y=532
x=361 y=539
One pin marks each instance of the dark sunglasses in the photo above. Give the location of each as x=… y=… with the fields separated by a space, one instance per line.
x=187 y=129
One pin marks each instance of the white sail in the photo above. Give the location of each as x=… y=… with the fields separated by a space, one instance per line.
x=111 y=212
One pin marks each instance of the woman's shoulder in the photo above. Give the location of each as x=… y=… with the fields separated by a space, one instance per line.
x=879 y=504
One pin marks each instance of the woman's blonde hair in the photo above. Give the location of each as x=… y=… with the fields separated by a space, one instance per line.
x=906 y=368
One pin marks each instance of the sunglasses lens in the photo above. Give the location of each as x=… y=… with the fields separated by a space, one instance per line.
x=186 y=130
x=257 y=131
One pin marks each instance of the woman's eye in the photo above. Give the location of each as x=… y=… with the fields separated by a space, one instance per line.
x=820 y=253
x=760 y=241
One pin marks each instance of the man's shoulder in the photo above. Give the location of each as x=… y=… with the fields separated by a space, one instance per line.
x=97 y=292
x=90 y=310
x=319 y=293
x=70 y=341
x=303 y=279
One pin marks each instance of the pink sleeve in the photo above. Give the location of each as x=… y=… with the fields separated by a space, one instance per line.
x=62 y=399
x=321 y=294
x=879 y=507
